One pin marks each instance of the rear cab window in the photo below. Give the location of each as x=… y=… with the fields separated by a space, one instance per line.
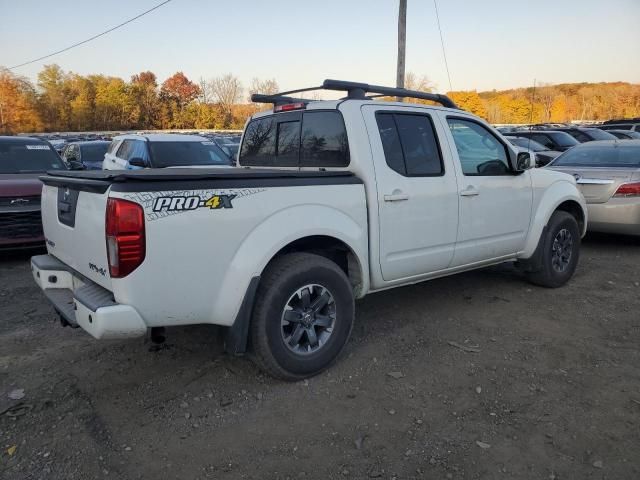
x=309 y=138
x=410 y=144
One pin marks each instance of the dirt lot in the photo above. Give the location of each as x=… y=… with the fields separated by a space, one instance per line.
x=550 y=388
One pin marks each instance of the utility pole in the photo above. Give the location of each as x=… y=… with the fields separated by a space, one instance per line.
x=402 y=44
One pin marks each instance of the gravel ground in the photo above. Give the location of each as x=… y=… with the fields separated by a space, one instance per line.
x=478 y=376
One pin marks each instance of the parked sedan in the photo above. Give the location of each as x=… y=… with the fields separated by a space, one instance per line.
x=22 y=161
x=87 y=155
x=608 y=173
x=542 y=154
x=625 y=134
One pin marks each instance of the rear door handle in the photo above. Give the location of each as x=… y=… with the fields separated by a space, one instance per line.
x=470 y=191
x=396 y=197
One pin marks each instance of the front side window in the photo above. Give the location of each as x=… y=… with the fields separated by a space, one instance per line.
x=480 y=152
x=410 y=144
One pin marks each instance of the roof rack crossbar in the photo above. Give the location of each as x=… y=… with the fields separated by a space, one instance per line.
x=356 y=91
x=277 y=99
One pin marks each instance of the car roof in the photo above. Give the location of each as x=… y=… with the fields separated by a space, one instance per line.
x=605 y=143
x=22 y=140
x=162 y=137
x=90 y=142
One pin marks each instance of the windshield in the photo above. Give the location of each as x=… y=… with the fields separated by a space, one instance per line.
x=599 y=134
x=94 y=152
x=33 y=157
x=174 y=154
x=614 y=155
x=527 y=143
x=563 y=139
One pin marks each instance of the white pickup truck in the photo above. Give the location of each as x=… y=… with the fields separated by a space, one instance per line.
x=331 y=201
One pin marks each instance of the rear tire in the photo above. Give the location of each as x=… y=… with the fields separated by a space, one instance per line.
x=560 y=252
x=303 y=316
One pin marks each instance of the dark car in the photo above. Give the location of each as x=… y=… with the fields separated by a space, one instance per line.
x=22 y=161
x=625 y=134
x=552 y=139
x=586 y=134
x=86 y=155
x=543 y=154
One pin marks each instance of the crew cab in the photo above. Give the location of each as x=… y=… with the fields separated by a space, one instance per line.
x=331 y=201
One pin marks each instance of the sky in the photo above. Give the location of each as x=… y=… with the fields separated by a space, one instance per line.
x=490 y=44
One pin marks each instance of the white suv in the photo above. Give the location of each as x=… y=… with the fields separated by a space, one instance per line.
x=159 y=150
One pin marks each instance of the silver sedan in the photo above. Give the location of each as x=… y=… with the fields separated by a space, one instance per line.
x=608 y=173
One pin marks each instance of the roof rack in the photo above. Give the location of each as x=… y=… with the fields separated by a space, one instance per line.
x=355 y=91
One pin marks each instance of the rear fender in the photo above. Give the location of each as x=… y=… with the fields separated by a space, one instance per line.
x=272 y=235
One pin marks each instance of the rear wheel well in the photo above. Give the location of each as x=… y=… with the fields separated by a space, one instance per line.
x=333 y=249
x=574 y=209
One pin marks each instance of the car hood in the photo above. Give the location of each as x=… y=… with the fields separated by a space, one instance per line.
x=20 y=184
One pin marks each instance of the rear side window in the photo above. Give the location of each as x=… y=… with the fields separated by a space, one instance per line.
x=296 y=139
x=410 y=144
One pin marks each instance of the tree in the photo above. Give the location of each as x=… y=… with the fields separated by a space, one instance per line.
x=144 y=89
x=179 y=88
x=18 y=106
x=227 y=90
x=266 y=87
x=469 y=101
x=176 y=93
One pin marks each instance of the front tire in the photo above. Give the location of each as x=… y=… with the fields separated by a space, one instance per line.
x=303 y=316
x=560 y=252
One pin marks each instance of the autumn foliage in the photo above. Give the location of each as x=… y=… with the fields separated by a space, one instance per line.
x=65 y=101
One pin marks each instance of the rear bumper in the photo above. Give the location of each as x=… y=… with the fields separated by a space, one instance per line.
x=618 y=215
x=84 y=303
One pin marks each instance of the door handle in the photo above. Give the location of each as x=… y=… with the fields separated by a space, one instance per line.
x=470 y=191
x=113 y=160
x=396 y=197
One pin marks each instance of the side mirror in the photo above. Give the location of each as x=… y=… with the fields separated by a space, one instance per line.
x=524 y=161
x=137 y=162
x=75 y=164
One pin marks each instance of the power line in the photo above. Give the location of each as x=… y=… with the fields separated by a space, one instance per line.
x=444 y=53
x=92 y=38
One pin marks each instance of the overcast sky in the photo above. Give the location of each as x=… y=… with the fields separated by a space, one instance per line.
x=490 y=44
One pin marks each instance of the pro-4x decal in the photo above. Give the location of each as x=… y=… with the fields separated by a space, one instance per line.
x=163 y=204
x=176 y=203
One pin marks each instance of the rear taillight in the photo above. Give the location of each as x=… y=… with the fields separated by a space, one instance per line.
x=125 y=236
x=628 y=190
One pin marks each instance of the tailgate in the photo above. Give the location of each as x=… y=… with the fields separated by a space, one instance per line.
x=73 y=219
